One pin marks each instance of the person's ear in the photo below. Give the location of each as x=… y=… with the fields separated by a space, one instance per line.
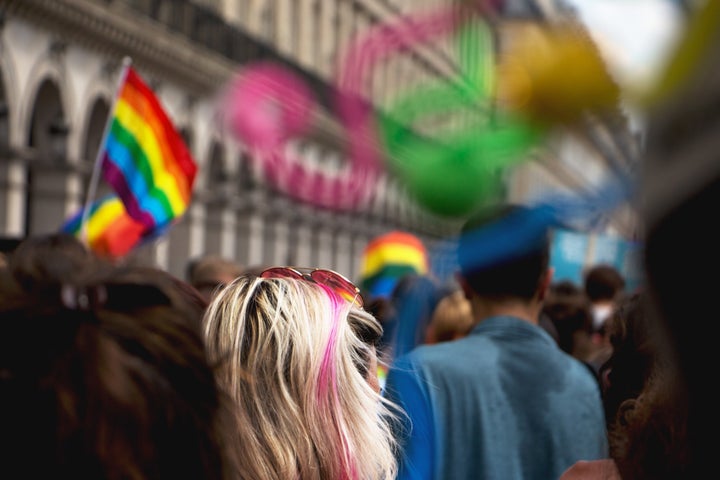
x=464 y=286
x=545 y=282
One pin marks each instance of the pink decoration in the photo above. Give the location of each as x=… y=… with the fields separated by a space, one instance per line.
x=268 y=104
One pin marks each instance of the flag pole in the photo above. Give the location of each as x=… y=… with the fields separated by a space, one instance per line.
x=97 y=166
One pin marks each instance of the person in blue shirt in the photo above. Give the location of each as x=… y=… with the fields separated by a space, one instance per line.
x=503 y=402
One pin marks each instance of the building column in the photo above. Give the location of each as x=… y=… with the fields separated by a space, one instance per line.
x=324 y=246
x=328 y=34
x=75 y=199
x=345 y=28
x=236 y=11
x=162 y=252
x=4 y=190
x=196 y=229
x=15 y=206
x=253 y=20
x=310 y=158
x=379 y=199
x=305 y=29
x=303 y=252
x=242 y=242
x=358 y=244
x=343 y=253
x=227 y=235
x=281 y=255
x=255 y=239
x=285 y=27
x=213 y=229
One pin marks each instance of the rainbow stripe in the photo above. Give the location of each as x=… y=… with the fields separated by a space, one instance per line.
x=389 y=257
x=146 y=160
x=111 y=232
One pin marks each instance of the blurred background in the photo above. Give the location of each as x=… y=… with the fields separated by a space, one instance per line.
x=59 y=62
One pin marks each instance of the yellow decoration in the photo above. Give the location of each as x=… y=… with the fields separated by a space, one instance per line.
x=553 y=75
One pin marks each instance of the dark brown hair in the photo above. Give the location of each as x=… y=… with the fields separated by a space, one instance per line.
x=106 y=376
x=603 y=282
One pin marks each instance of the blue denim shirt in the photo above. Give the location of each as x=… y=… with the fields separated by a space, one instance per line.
x=502 y=403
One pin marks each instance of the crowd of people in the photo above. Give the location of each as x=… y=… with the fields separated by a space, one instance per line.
x=279 y=372
x=269 y=373
x=503 y=401
x=274 y=372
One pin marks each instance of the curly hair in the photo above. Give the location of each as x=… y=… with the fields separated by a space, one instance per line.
x=649 y=439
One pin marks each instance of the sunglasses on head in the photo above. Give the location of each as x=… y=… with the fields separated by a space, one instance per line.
x=333 y=280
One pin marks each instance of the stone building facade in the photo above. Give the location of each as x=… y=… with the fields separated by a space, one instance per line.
x=59 y=62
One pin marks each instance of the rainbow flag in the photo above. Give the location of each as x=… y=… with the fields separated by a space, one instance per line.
x=145 y=159
x=111 y=232
x=388 y=258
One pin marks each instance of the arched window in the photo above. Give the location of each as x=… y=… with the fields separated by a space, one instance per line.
x=217 y=168
x=45 y=192
x=246 y=176
x=94 y=129
x=187 y=135
x=4 y=124
x=217 y=177
x=4 y=156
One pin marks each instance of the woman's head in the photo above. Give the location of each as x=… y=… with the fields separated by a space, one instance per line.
x=451 y=319
x=107 y=377
x=44 y=261
x=296 y=357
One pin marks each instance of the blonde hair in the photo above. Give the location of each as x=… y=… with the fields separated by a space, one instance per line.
x=288 y=352
x=451 y=319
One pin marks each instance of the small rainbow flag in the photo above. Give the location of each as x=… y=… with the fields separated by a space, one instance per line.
x=111 y=232
x=389 y=257
x=145 y=159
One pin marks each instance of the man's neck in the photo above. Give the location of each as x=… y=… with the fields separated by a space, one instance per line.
x=483 y=308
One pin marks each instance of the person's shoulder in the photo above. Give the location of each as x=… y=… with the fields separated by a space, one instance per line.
x=422 y=354
x=584 y=378
x=444 y=357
